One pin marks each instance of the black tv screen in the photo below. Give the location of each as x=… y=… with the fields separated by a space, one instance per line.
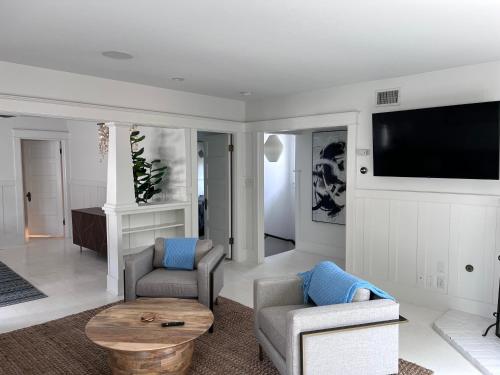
x=459 y=141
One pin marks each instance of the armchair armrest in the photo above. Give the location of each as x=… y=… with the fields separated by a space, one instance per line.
x=382 y=341
x=136 y=266
x=211 y=263
x=277 y=291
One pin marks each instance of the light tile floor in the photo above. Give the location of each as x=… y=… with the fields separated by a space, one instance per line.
x=75 y=282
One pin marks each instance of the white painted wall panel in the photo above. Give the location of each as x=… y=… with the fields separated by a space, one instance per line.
x=473 y=243
x=433 y=245
x=359 y=236
x=423 y=241
x=403 y=242
x=376 y=246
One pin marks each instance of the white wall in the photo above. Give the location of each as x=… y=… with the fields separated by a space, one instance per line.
x=36 y=82
x=414 y=236
x=87 y=170
x=9 y=232
x=315 y=237
x=168 y=145
x=279 y=186
x=475 y=83
x=87 y=176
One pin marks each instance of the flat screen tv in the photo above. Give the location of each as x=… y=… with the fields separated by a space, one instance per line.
x=459 y=141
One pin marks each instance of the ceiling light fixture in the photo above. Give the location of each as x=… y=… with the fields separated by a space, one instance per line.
x=117 y=55
x=177 y=79
x=273 y=148
x=245 y=93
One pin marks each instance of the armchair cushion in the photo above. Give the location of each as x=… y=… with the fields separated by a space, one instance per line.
x=168 y=283
x=272 y=322
x=202 y=248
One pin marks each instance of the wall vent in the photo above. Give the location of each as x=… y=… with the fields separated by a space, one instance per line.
x=388 y=97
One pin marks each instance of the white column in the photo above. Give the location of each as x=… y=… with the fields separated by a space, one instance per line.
x=119 y=196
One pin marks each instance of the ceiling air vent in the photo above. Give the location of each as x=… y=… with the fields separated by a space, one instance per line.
x=388 y=97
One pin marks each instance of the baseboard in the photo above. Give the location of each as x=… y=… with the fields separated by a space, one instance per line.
x=279 y=238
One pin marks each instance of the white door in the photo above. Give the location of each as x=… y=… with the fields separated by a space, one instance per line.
x=43 y=188
x=218 y=190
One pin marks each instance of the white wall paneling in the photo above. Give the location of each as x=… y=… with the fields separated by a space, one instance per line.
x=9 y=231
x=423 y=241
x=87 y=193
x=473 y=243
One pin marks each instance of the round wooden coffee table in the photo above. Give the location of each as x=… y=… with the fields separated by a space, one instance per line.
x=138 y=347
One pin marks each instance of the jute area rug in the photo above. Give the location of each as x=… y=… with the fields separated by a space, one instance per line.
x=61 y=347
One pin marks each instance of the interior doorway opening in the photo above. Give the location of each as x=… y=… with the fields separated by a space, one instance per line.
x=323 y=195
x=43 y=188
x=215 y=189
x=279 y=193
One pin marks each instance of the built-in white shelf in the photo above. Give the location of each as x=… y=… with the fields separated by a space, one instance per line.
x=140 y=225
x=148 y=228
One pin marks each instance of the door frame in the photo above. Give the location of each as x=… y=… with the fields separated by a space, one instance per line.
x=346 y=120
x=194 y=182
x=40 y=135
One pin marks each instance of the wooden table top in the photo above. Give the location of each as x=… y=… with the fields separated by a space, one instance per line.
x=120 y=327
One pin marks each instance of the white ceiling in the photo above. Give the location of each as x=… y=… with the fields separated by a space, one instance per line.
x=269 y=47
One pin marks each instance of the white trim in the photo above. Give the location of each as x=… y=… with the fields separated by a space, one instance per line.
x=325 y=121
x=76 y=181
x=72 y=110
x=146 y=208
x=465 y=199
x=29 y=134
x=43 y=135
x=290 y=124
x=192 y=176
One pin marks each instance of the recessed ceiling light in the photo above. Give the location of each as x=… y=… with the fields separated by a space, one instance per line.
x=117 y=55
x=177 y=79
x=245 y=93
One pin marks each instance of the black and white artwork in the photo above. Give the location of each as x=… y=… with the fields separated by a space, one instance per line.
x=328 y=176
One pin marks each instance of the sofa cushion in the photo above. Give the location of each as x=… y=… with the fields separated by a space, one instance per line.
x=202 y=248
x=272 y=322
x=168 y=283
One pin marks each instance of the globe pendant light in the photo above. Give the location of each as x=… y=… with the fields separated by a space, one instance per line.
x=273 y=148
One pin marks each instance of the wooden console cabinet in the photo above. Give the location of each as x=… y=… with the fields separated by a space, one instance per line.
x=89 y=229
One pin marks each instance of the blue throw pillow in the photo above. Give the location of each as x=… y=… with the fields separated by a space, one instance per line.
x=328 y=284
x=179 y=253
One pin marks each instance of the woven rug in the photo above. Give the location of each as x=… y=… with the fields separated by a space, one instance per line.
x=14 y=289
x=61 y=347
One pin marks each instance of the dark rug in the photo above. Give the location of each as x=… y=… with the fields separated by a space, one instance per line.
x=14 y=289
x=61 y=347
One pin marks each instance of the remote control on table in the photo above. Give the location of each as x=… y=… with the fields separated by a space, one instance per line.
x=172 y=324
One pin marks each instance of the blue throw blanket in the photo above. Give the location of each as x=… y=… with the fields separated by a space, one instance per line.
x=328 y=284
x=179 y=253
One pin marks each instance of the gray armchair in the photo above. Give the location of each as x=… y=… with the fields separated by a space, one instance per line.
x=145 y=275
x=351 y=338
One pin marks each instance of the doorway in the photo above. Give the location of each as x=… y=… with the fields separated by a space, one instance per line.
x=279 y=193
x=43 y=188
x=215 y=161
